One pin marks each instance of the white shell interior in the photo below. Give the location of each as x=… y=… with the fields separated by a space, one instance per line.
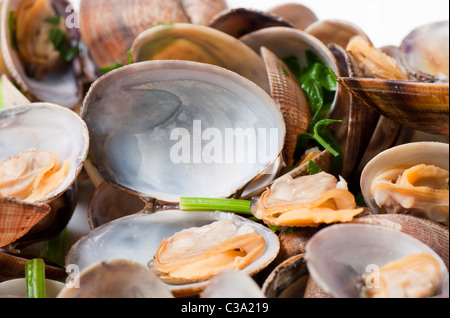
x=137 y=237
x=339 y=255
x=411 y=154
x=153 y=125
x=45 y=127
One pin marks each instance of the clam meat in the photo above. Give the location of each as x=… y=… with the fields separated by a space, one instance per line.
x=412 y=276
x=199 y=253
x=31 y=175
x=306 y=201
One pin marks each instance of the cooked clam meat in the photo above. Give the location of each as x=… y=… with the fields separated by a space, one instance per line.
x=420 y=189
x=31 y=175
x=307 y=201
x=412 y=276
x=40 y=37
x=199 y=253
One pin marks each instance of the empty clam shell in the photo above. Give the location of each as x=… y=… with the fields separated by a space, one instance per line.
x=154 y=126
x=184 y=41
x=137 y=238
x=339 y=255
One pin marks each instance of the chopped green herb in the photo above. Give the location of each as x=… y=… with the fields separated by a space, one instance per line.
x=313 y=168
x=12 y=30
x=111 y=68
x=206 y=204
x=53 y=20
x=35 y=278
x=168 y=23
x=59 y=40
x=130 y=60
x=285 y=72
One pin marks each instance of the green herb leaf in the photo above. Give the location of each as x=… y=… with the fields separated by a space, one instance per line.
x=293 y=64
x=53 y=20
x=35 y=278
x=313 y=168
x=130 y=60
x=12 y=30
x=206 y=204
x=111 y=68
x=59 y=40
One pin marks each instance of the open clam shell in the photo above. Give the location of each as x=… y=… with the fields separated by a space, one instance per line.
x=424 y=52
x=145 y=118
x=411 y=154
x=191 y=42
x=339 y=255
x=60 y=86
x=45 y=127
x=137 y=238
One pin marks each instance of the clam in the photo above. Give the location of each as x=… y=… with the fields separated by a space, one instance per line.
x=410 y=178
x=46 y=130
x=116 y=278
x=306 y=201
x=240 y=21
x=344 y=259
x=155 y=125
x=183 y=41
x=338 y=32
x=137 y=238
x=420 y=105
x=109 y=33
x=298 y=14
x=425 y=51
x=45 y=72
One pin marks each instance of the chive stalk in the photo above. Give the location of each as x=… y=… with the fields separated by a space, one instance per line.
x=206 y=204
x=35 y=278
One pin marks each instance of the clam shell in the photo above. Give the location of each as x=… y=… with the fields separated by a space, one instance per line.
x=411 y=154
x=338 y=32
x=137 y=237
x=417 y=105
x=299 y=15
x=117 y=278
x=133 y=112
x=110 y=31
x=287 y=92
x=240 y=21
x=285 y=42
x=45 y=127
x=183 y=41
x=60 y=87
x=338 y=255
x=425 y=51
x=18 y=217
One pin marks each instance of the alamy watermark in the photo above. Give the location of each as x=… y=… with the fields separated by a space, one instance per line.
x=228 y=145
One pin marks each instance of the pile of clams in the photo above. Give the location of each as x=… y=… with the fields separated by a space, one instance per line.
x=148 y=103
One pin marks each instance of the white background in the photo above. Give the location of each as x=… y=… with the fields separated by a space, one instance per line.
x=386 y=22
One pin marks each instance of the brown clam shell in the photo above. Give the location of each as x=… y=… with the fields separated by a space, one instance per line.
x=299 y=15
x=18 y=217
x=108 y=28
x=287 y=93
x=240 y=21
x=417 y=105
